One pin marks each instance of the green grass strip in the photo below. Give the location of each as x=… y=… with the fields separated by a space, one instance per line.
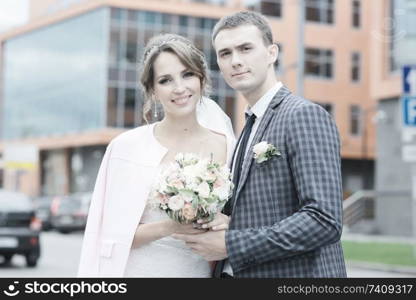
x=386 y=253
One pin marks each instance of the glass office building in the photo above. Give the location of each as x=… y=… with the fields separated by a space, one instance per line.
x=79 y=76
x=81 y=73
x=55 y=78
x=69 y=81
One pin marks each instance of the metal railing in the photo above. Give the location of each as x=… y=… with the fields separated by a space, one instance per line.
x=359 y=206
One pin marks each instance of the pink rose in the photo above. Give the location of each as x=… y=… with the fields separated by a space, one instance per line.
x=219 y=182
x=188 y=212
x=176 y=183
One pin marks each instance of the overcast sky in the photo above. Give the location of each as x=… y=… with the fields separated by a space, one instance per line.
x=12 y=13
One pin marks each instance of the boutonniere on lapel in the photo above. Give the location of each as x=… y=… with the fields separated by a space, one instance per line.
x=264 y=151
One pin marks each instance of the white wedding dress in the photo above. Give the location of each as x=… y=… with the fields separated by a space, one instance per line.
x=166 y=257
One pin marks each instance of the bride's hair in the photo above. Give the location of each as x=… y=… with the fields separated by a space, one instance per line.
x=189 y=55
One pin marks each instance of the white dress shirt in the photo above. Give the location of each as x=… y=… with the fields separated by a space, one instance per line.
x=259 y=110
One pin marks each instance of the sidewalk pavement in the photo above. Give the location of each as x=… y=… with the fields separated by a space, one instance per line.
x=361 y=272
x=373 y=268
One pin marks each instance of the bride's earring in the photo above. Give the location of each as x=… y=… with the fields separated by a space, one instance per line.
x=155 y=111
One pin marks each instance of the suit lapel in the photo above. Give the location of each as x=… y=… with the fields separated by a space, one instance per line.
x=265 y=121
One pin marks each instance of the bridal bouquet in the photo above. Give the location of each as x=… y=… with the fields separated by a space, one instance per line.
x=192 y=188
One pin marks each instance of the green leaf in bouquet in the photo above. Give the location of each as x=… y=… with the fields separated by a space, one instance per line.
x=171 y=190
x=188 y=193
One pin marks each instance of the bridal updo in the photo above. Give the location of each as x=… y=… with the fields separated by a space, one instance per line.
x=189 y=55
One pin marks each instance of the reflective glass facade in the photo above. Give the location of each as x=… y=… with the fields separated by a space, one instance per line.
x=82 y=73
x=55 y=78
x=129 y=32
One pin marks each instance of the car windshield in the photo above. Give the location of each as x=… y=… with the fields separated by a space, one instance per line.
x=70 y=204
x=43 y=203
x=14 y=202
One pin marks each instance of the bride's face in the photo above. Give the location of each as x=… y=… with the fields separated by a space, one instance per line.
x=175 y=86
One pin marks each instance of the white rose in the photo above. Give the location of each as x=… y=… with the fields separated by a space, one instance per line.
x=179 y=157
x=170 y=171
x=222 y=191
x=176 y=202
x=212 y=208
x=187 y=196
x=190 y=172
x=163 y=187
x=190 y=157
x=209 y=175
x=203 y=190
x=225 y=173
x=196 y=170
x=260 y=148
x=202 y=166
x=178 y=184
x=192 y=184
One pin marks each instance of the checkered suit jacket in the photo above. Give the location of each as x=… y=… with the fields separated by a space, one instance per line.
x=286 y=220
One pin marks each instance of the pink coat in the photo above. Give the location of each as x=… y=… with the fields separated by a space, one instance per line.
x=126 y=174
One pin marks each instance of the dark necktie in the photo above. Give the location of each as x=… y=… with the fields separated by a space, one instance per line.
x=239 y=159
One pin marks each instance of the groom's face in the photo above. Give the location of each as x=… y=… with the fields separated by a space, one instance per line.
x=243 y=58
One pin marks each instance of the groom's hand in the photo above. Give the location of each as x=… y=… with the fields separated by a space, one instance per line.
x=210 y=245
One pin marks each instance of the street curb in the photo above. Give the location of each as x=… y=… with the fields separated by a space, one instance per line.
x=381 y=267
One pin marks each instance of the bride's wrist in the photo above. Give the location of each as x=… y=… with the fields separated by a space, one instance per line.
x=169 y=227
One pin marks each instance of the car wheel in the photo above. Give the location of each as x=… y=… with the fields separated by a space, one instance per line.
x=31 y=260
x=8 y=258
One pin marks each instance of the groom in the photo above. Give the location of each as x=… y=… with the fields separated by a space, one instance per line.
x=286 y=211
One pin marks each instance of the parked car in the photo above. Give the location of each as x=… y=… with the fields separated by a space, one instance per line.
x=43 y=211
x=19 y=228
x=69 y=213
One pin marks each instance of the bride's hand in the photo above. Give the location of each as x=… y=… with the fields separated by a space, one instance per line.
x=185 y=228
x=220 y=222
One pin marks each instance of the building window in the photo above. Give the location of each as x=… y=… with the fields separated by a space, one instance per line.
x=112 y=95
x=131 y=47
x=129 y=107
x=319 y=62
x=327 y=107
x=216 y=2
x=115 y=46
x=116 y=14
x=355 y=119
x=355 y=66
x=393 y=64
x=150 y=17
x=267 y=7
x=204 y=23
x=321 y=11
x=356 y=13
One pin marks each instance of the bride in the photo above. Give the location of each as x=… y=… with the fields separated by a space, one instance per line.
x=125 y=236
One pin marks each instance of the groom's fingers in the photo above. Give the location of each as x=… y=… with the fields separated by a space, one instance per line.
x=216 y=225
x=219 y=227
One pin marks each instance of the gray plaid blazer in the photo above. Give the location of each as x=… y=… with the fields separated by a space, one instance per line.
x=286 y=220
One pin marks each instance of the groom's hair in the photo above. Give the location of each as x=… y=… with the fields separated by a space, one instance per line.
x=245 y=18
